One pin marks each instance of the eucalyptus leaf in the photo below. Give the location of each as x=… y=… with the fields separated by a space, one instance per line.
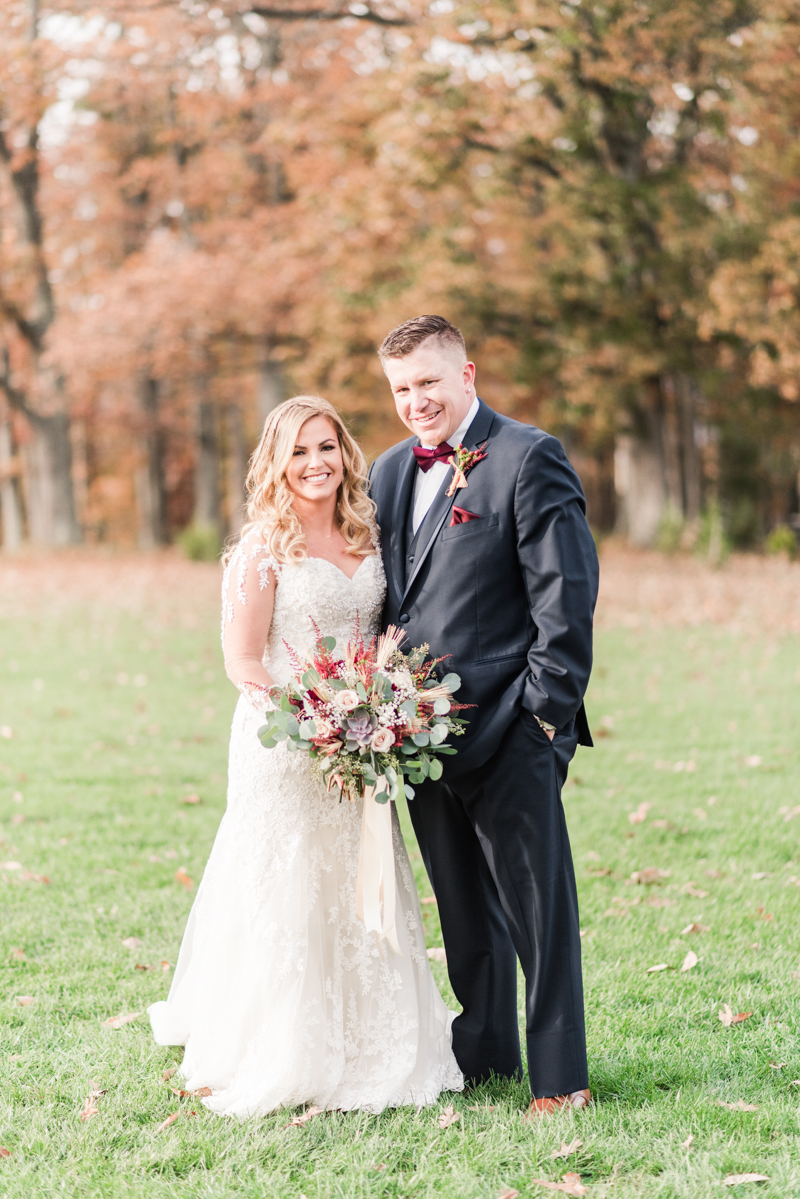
x=409 y=708
x=420 y=739
x=292 y=726
x=391 y=774
x=409 y=790
x=329 y=643
x=310 y=679
x=441 y=707
x=439 y=734
x=452 y=682
x=408 y=747
x=435 y=769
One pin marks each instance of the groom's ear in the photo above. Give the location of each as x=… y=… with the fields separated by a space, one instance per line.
x=469 y=374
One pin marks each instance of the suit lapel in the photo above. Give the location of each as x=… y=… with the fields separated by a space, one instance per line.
x=397 y=536
x=441 y=506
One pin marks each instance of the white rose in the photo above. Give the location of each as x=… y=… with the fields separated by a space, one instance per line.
x=382 y=740
x=346 y=700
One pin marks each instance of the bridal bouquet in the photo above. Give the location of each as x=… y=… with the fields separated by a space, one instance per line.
x=369 y=722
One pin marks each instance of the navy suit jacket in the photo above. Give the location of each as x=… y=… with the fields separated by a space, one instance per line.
x=509 y=596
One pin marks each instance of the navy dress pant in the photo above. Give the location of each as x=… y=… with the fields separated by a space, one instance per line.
x=495 y=845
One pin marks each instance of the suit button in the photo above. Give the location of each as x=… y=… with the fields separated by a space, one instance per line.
x=404 y=618
x=411 y=557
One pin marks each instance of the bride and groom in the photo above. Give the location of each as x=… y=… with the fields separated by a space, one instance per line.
x=280 y=995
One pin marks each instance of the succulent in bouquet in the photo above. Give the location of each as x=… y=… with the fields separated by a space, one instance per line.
x=377 y=717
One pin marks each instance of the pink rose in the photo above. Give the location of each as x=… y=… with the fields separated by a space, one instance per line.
x=382 y=740
x=346 y=700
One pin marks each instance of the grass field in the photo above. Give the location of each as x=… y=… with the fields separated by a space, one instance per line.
x=116 y=703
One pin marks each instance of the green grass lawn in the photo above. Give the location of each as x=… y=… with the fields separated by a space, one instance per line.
x=117 y=720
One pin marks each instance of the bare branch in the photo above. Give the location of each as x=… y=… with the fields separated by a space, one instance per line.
x=326 y=14
x=15 y=397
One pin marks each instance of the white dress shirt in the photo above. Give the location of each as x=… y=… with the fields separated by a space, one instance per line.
x=427 y=483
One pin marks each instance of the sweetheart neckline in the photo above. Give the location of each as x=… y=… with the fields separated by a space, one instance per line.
x=350 y=578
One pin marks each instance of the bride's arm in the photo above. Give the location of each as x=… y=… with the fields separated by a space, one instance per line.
x=248 y=599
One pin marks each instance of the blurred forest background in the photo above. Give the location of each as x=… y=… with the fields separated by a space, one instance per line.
x=206 y=207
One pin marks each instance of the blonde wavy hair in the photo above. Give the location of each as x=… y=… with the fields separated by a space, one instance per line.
x=269 y=502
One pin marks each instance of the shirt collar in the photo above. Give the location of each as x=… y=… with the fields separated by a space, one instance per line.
x=461 y=431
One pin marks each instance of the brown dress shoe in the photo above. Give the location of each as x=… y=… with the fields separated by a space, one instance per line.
x=554 y=1103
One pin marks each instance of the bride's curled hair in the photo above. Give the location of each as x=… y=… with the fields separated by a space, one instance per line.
x=269 y=498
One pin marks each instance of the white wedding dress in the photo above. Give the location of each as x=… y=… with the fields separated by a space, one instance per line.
x=280 y=995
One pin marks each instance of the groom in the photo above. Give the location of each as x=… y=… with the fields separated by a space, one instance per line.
x=502 y=576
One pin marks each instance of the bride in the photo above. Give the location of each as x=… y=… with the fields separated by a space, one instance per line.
x=280 y=995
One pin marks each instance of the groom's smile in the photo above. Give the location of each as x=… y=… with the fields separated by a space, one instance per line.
x=433 y=388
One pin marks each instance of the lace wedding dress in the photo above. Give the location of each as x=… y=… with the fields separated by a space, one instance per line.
x=280 y=995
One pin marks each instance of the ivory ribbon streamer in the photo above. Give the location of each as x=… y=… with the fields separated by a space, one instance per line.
x=375 y=888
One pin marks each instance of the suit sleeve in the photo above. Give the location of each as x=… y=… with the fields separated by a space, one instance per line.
x=559 y=564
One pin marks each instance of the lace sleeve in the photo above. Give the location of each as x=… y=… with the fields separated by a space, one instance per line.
x=248 y=596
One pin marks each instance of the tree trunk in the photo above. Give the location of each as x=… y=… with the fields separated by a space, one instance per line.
x=668 y=418
x=237 y=470
x=51 y=501
x=207 y=461
x=639 y=475
x=271 y=385
x=149 y=478
x=688 y=396
x=9 y=491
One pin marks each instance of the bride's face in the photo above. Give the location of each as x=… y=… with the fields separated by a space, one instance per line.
x=316 y=468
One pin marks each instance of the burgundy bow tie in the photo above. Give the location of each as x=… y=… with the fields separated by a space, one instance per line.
x=426 y=458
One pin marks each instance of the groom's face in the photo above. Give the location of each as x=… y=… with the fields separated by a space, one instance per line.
x=433 y=388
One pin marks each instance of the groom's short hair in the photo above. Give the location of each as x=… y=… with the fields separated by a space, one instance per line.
x=406 y=337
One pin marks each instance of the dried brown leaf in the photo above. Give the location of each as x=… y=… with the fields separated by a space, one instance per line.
x=429 y=899
x=739 y=1106
x=191 y=799
x=571 y=1185
x=508 y=1194
x=89 y=1108
x=650 y=875
x=200 y=1093
x=183 y=878
x=567 y=1150
x=735 y=1180
x=658 y=968
x=689 y=962
x=167 y=1075
x=26 y=1000
x=305 y=1116
x=17 y=955
x=118 y=1021
x=169 y=1120
x=694 y=927
x=165 y=965
x=762 y=913
x=7 y=1153
x=640 y=815
x=28 y=877
x=448 y=1117
x=685 y=1144
x=131 y=942
x=727 y=1016
x=139 y=966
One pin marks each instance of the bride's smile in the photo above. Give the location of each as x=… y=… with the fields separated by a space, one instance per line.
x=315 y=469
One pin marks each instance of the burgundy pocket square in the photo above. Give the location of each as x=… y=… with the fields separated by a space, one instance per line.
x=461 y=516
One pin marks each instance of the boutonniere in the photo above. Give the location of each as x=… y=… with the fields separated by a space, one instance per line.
x=462 y=462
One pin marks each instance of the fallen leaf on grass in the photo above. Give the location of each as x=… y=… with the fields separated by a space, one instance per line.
x=26 y=1000
x=762 y=913
x=428 y=899
x=656 y=969
x=692 y=890
x=183 y=878
x=165 y=965
x=640 y=815
x=131 y=942
x=571 y=1185
x=7 y=1153
x=171 y=1120
x=567 y=1150
x=191 y=799
x=437 y=954
x=739 y=1106
x=118 y=1021
x=734 y=1180
x=449 y=1117
x=139 y=966
x=89 y=1108
x=478 y=1108
x=28 y=877
x=727 y=1017
x=689 y=962
x=686 y=1144
x=663 y=824
x=200 y=1093
x=305 y=1116
x=650 y=875
x=694 y=927
x=776 y=1065
x=17 y=955
x=509 y=1194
